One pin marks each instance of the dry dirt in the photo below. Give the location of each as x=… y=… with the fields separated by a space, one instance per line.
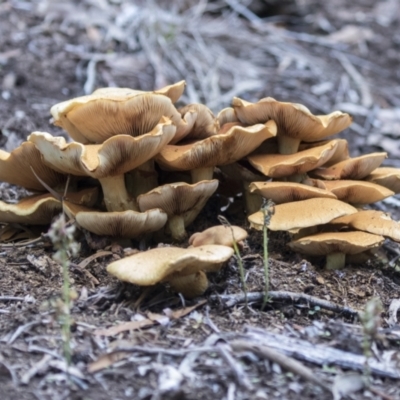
x=325 y=55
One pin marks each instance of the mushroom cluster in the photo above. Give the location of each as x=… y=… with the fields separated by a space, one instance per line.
x=136 y=164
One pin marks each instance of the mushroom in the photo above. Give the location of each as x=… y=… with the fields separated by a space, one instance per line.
x=202 y=156
x=386 y=176
x=372 y=221
x=106 y=162
x=17 y=168
x=285 y=192
x=167 y=263
x=227 y=115
x=181 y=201
x=293 y=165
x=190 y=286
x=220 y=234
x=342 y=150
x=295 y=122
x=351 y=168
x=335 y=245
x=358 y=193
x=302 y=214
x=117 y=111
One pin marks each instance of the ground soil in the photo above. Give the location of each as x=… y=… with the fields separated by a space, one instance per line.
x=45 y=52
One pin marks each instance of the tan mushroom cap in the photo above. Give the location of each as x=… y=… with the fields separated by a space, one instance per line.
x=227 y=115
x=123 y=224
x=352 y=168
x=286 y=165
x=219 y=234
x=285 y=192
x=335 y=245
x=358 y=192
x=386 y=176
x=372 y=221
x=190 y=286
x=116 y=111
x=341 y=153
x=157 y=265
x=16 y=168
x=33 y=210
x=295 y=122
x=181 y=201
x=302 y=214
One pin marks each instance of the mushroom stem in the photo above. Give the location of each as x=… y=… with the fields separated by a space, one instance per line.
x=287 y=144
x=176 y=224
x=190 y=286
x=142 y=179
x=252 y=201
x=116 y=197
x=202 y=174
x=335 y=261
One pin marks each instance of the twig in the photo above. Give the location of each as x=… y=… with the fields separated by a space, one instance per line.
x=234 y=299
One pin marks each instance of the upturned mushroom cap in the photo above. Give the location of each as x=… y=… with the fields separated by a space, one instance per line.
x=216 y=150
x=386 y=176
x=341 y=153
x=123 y=224
x=302 y=214
x=285 y=192
x=286 y=165
x=157 y=265
x=335 y=245
x=352 y=168
x=295 y=122
x=181 y=201
x=16 y=168
x=372 y=221
x=190 y=286
x=358 y=192
x=219 y=234
x=116 y=111
x=227 y=115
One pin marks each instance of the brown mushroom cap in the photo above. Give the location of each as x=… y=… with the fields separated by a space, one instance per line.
x=219 y=234
x=295 y=122
x=285 y=192
x=216 y=150
x=358 y=192
x=341 y=153
x=16 y=168
x=157 y=265
x=302 y=214
x=372 y=221
x=181 y=201
x=386 y=176
x=336 y=244
x=227 y=115
x=116 y=111
x=352 y=168
x=285 y=165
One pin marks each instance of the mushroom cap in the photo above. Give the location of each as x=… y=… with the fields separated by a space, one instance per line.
x=115 y=156
x=386 y=176
x=32 y=210
x=238 y=172
x=190 y=286
x=351 y=168
x=372 y=221
x=293 y=120
x=285 y=192
x=115 y=111
x=179 y=198
x=219 y=149
x=341 y=153
x=157 y=265
x=302 y=214
x=358 y=192
x=16 y=168
x=121 y=224
x=283 y=165
x=336 y=242
x=227 y=115
x=219 y=234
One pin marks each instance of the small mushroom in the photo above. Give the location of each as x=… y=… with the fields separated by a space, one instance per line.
x=302 y=214
x=295 y=122
x=181 y=201
x=335 y=245
x=167 y=263
x=202 y=156
x=386 y=176
x=219 y=234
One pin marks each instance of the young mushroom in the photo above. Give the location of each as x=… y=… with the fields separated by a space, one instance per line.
x=165 y=264
x=220 y=234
